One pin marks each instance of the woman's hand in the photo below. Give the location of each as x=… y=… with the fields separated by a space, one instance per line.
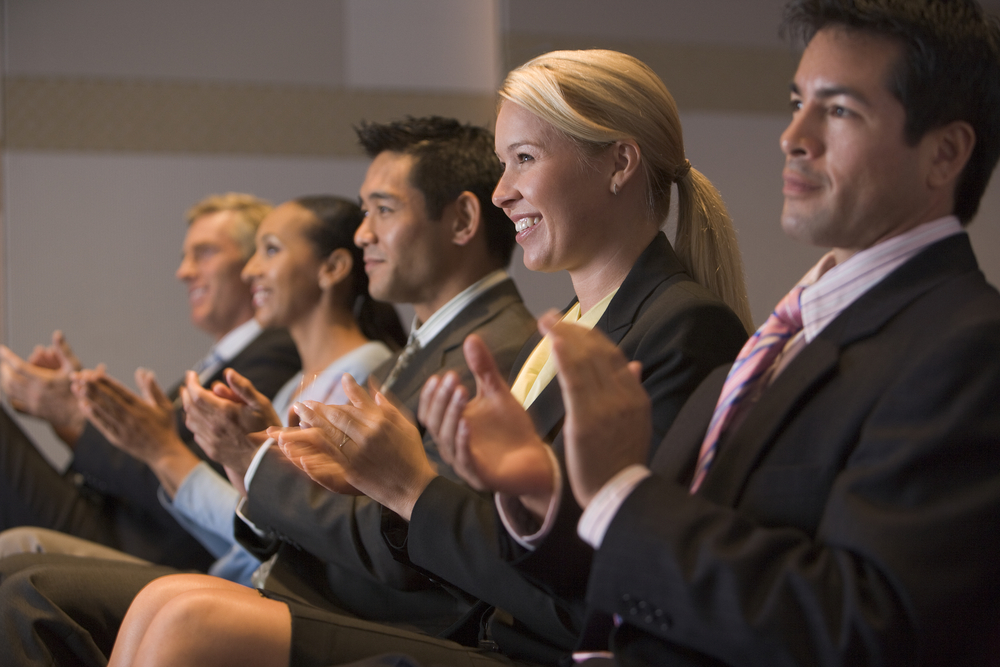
x=223 y=418
x=490 y=440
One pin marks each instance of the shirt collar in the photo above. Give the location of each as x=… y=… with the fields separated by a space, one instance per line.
x=831 y=287
x=442 y=317
x=236 y=340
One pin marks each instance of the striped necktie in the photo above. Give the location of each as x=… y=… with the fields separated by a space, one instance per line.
x=412 y=347
x=755 y=359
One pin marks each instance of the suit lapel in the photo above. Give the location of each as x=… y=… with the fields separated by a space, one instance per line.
x=430 y=359
x=742 y=449
x=657 y=264
x=816 y=364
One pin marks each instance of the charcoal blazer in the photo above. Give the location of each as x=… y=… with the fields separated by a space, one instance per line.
x=680 y=332
x=330 y=548
x=850 y=518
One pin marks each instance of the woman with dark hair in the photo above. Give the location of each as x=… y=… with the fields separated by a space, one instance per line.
x=306 y=275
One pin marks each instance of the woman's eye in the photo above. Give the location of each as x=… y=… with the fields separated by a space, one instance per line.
x=523 y=157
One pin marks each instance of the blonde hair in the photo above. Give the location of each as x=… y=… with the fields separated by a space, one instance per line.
x=597 y=97
x=249 y=211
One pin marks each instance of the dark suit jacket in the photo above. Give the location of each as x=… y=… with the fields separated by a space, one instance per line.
x=851 y=518
x=330 y=549
x=679 y=331
x=129 y=486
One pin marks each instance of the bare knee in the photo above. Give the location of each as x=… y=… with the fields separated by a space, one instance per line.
x=160 y=591
x=205 y=626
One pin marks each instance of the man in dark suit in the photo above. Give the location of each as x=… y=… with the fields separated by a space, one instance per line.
x=108 y=496
x=838 y=503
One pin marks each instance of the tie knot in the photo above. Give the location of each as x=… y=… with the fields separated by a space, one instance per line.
x=789 y=309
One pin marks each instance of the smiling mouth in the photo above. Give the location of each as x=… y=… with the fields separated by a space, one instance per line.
x=526 y=223
x=259 y=297
x=197 y=293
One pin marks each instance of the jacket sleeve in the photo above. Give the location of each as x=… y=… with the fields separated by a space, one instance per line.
x=459 y=537
x=900 y=569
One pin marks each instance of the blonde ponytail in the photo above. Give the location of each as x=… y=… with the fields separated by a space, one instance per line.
x=597 y=97
x=706 y=243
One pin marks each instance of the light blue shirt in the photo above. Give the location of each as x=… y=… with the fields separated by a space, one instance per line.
x=206 y=502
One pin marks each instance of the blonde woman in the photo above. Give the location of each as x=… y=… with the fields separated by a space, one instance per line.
x=591 y=146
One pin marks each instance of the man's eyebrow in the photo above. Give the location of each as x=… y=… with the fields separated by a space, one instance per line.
x=833 y=91
x=381 y=196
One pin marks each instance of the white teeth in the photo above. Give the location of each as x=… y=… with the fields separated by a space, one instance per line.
x=525 y=223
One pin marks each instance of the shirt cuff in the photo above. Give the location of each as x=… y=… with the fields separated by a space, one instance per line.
x=602 y=509
x=519 y=521
x=255 y=463
x=243 y=517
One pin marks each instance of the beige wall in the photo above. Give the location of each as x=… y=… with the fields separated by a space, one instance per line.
x=118 y=115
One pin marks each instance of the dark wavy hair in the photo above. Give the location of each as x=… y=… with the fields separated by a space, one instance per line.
x=338 y=220
x=950 y=69
x=448 y=158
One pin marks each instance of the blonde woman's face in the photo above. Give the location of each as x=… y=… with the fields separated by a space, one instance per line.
x=557 y=198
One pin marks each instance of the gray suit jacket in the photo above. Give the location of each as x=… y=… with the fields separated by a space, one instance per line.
x=330 y=549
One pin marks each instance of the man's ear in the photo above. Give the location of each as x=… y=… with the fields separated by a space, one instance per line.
x=950 y=147
x=335 y=268
x=627 y=156
x=467 y=218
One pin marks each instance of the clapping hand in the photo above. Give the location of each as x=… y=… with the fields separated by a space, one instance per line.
x=367 y=446
x=608 y=424
x=40 y=385
x=489 y=440
x=141 y=426
x=224 y=418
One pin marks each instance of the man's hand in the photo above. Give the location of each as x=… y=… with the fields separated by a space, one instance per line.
x=608 y=424
x=40 y=386
x=144 y=427
x=490 y=441
x=368 y=445
x=224 y=418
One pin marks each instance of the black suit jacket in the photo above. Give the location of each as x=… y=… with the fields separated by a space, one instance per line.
x=851 y=518
x=129 y=486
x=680 y=332
x=330 y=548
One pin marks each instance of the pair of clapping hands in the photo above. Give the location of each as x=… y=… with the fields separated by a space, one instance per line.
x=370 y=447
x=41 y=385
x=227 y=420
